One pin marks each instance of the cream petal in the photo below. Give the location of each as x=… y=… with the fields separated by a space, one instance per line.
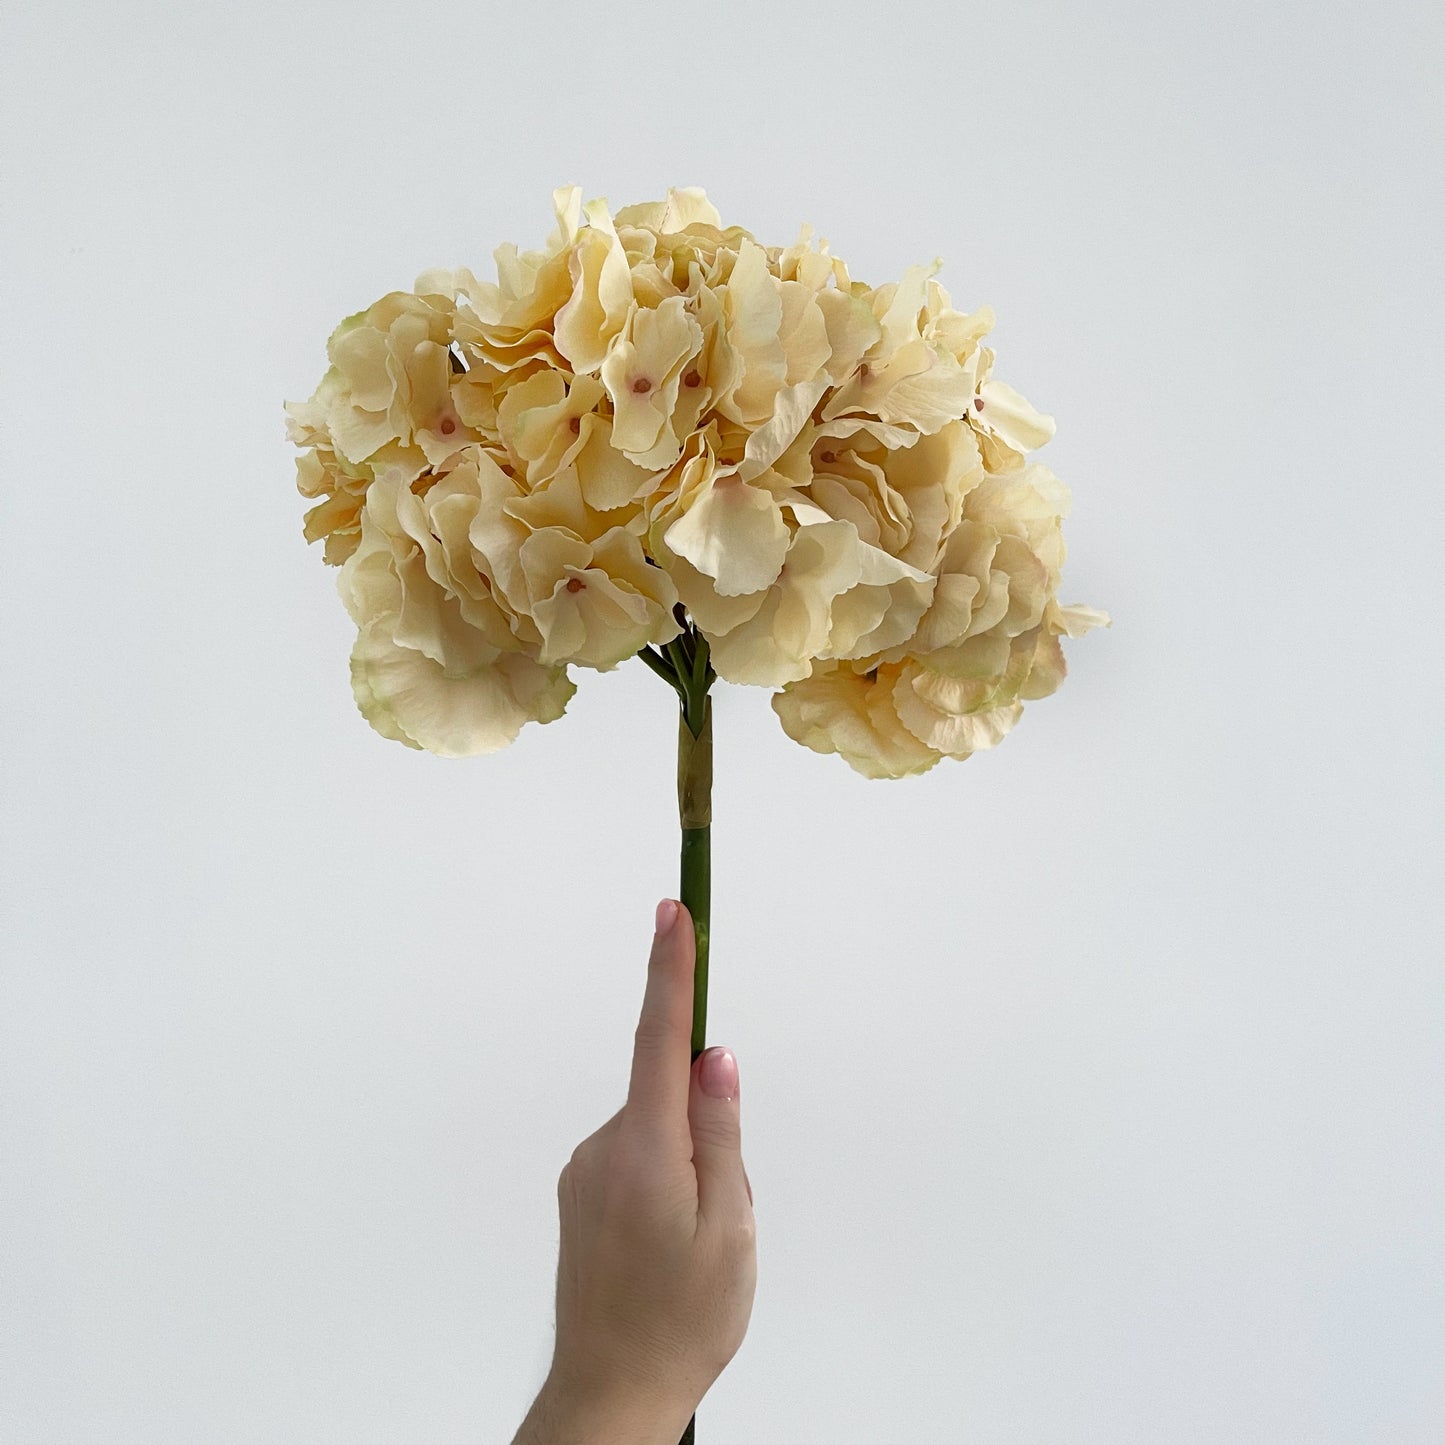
x=642 y=373
x=596 y=604
x=954 y=696
x=1076 y=619
x=806 y=512
x=359 y=352
x=1028 y=586
x=953 y=733
x=452 y=508
x=567 y=205
x=408 y=697
x=713 y=613
x=559 y=504
x=928 y=399
x=852 y=329
x=850 y=499
x=758 y=651
x=791 y=409
x=598 y=627
x=601 y=295
x=371 y=642
x=959 y=334
x=1048 y=670
x=358 y=434
x=753 y=307
x=447 y=282
x=841 y=712
x=778 y=643
x=527 y=404
x=367 y=583
x=1008 y=416
x=497 y=537
x=735 y=534
x=685 y=206
x=949 y=614
x=893 y=437
x=985 y=656
x=992 y=607
x=803 y=333
x=607 y=477
x=899 y=321
x=871 y=618
x=431 y=623
x=935 y=475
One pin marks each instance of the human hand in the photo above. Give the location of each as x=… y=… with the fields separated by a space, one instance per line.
x=658 y=1263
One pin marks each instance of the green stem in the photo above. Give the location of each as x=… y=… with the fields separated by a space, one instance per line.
x=662 y=666
x=694 y=806
x=694 y=676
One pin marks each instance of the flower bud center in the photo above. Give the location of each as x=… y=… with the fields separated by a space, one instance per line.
x=448 y=426
x=642 y=386
x=576 y=584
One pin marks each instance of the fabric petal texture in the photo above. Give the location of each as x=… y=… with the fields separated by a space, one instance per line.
x=653 y=420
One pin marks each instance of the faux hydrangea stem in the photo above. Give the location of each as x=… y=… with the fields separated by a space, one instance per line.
x=694 y=806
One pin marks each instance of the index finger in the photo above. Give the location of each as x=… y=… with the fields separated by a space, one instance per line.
x=662 y=1046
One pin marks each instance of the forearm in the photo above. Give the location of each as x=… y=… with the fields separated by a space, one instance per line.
x=558 y=1417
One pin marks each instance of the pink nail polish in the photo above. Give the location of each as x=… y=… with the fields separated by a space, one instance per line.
x=719 y=1073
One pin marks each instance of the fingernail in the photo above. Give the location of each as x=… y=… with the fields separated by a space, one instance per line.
x=666 y=915
x=719 y=1073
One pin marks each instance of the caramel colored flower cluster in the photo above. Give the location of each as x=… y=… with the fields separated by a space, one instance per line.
x=522 y=476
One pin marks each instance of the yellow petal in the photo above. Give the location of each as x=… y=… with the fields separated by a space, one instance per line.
x=608 y=478
x=791 y=408
x=778 y=643
x=596 y=604
x=842 y=712
x=642 y=373
x=1076 y=620
x=753 y=307
x=1008 y=416
x=408 y=697
x=882 y=610
x=733 y=533
x=601 y=295
x=685 y=206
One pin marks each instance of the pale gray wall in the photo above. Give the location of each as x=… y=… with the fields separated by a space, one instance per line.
x=1090 y=1088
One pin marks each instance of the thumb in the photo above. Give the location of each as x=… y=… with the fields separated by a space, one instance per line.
x=712 y=1115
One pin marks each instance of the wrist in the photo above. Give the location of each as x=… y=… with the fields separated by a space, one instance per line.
x=565 y=1414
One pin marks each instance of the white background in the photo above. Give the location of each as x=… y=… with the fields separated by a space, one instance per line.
x=1091 y=1088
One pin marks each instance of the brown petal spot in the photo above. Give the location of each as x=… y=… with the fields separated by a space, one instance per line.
x=642 y=386
x=827 y=456
x=978 y=403
x=692 y=379
x=448 y=426
x=576 y=584
x=576 y=425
